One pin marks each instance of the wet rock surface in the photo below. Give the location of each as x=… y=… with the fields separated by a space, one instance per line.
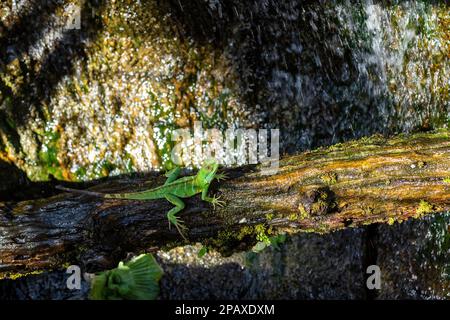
x=51 y=286
x=10 y=177
x=413 y=258
x=327 y=71
x=312 y=266
x=102 y=97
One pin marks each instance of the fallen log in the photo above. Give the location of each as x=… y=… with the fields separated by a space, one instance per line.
x=346 y=185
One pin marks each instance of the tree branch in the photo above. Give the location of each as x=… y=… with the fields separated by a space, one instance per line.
x=361 y=182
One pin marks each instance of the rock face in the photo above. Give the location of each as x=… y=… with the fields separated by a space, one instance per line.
x=51 y=286
x=309 y=266
x=10 y=177
x=100 y=95
x=330 y=70
x=413 y=258
x=312 y=266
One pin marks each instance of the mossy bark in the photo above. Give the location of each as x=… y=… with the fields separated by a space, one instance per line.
x=346 y=185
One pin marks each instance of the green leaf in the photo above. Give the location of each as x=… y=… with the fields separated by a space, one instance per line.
x=260 y=246
x=277 y=240
x=137 y=279
x=204 y=250
x=274 y=241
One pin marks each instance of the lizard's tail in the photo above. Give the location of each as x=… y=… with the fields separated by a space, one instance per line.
x=85 y=192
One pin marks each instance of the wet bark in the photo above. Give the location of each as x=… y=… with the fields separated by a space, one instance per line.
x=352 y=184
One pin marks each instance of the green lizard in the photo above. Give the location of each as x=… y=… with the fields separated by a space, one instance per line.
x=172 y=190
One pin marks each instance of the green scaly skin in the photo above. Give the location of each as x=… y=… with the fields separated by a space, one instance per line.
x=173 y=190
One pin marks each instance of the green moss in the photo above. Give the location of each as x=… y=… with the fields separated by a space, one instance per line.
x=226 y=240
x=103 y=168
x=261 y=234
x=15 y=276
x=329 y=178
x=363 y=142
x=245 y=231
x=323 y=228
x=317 y=202
x=323 y=203
x=226 y=235
x=367 y=210
x=424 y=208
x=48 y=156
x=80 y=174
x=308 y=230
x=274 y=242
x=319 y=207
x=303 y=213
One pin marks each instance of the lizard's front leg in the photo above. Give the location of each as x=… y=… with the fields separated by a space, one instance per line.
x=221 y=176
x=179 y=205
x=214 y=200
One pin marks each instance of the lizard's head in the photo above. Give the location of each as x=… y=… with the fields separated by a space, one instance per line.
x=208 y=171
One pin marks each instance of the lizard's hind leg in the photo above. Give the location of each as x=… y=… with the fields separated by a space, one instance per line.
x=179 y=205
x=172 y=175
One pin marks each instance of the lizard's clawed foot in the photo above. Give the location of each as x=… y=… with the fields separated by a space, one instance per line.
x=178 y=223
x=215 y=201
x=221 y=176
x=182 y=230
